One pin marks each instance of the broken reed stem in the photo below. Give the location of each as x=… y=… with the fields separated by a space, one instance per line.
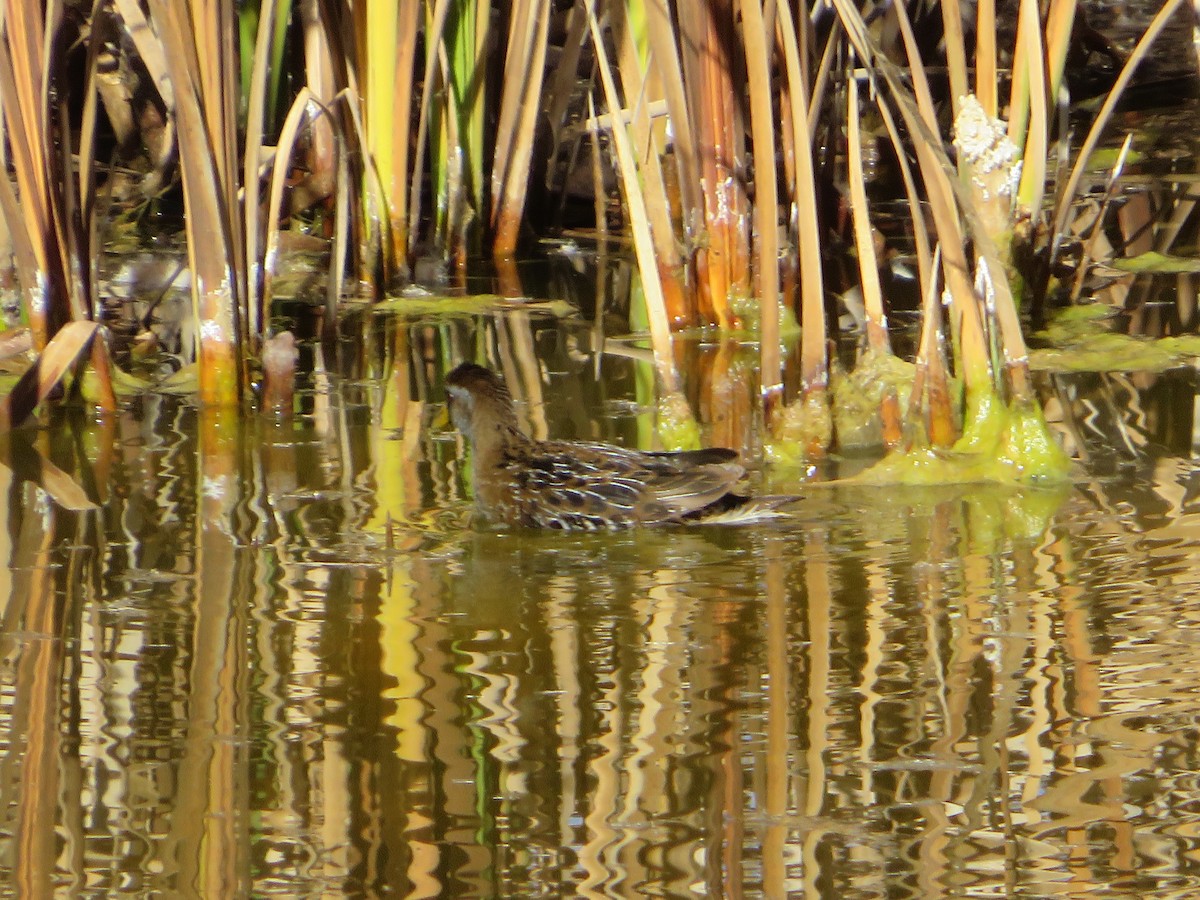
x=723 y=265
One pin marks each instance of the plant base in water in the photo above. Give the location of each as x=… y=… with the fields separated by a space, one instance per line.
x=858 y=395
x=1004 y=445
x=803 y=432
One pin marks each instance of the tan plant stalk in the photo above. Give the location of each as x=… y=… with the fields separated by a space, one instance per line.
x=987 y=82
x=922 y=123
x=649 y=147
x=666 y=60
x=212 y=248
x=52 y=292
x=525 y=65
x=255 y=122
x=868 y=263
x=925 y=264
x=1037 y=137
x=757 y=34
x=956 y=53
x=814 y=363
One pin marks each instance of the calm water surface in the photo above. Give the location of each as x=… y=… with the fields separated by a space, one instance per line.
x=278 y=661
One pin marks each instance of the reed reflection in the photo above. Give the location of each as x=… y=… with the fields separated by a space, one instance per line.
x=281 y=661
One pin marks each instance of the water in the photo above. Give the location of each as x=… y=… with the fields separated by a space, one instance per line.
x=278 y=661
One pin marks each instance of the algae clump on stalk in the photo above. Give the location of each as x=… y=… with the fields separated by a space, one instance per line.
x=1005 y=444
x=804 y=430
x=858 y=395
x=677 y=427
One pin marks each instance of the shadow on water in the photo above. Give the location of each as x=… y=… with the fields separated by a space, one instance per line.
x=276 y=659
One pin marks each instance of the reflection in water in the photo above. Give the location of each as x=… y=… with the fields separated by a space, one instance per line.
x=274 y=662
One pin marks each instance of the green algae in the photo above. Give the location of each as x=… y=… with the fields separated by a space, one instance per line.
x=677 y=426
x=803 y=431
x=749 y=317
x=857 y=396
x=1001 y=444
x=469 y=305
x=1109 y=353
x=1082 y=340
x=1155 y=263
x=984 y=421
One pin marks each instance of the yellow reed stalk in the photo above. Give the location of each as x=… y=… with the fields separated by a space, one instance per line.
x=660 y=329
x=987 y=80
x=814 y=362
x=956 y=52
x=649 y=147
x=803 y=430
x=1030 y=53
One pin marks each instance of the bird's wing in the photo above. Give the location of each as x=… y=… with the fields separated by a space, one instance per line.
x=692 y=489
x=568 y=489
x=580 y=483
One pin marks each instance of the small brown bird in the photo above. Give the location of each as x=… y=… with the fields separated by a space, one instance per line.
x=576 y=485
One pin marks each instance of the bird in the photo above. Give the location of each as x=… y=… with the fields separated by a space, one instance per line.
x=521 y=482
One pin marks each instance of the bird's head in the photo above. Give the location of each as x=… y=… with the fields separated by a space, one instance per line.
x=477 y=398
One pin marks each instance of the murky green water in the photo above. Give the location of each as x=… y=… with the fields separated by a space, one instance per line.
x=275 y=663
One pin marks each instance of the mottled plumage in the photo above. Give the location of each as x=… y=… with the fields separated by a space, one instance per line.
x=576 y=485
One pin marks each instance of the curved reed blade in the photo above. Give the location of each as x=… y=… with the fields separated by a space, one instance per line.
x=296 y=117
x=1136 y=56
x=44 y=376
